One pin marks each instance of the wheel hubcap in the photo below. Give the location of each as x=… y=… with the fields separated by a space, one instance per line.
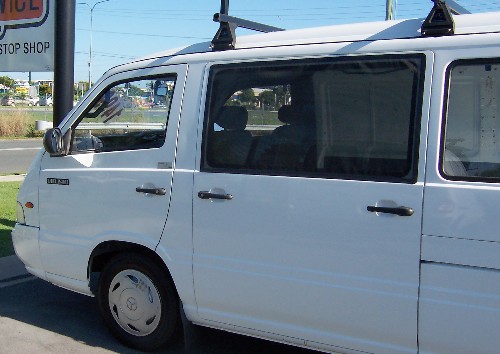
x=134 y=302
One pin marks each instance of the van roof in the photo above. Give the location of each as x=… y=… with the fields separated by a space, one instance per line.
x=370 y=31
x=382 y=30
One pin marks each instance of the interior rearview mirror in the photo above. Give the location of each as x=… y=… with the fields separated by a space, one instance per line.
x=161 y=91
x=160 y=88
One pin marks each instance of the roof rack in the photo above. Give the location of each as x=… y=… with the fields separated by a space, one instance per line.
x=225 y=38
x=439 y=22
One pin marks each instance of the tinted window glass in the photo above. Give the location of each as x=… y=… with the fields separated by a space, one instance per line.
x=129 y=116
x=349 y=119
x=471 y=146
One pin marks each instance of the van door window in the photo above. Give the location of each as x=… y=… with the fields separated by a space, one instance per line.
x=471 y=140
x=330 y=118
x=130 y=115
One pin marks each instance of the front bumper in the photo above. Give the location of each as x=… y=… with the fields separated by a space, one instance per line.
x=26 y=244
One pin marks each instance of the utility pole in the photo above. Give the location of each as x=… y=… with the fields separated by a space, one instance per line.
x=389 y=10
x=91 y=8
x=64 y=60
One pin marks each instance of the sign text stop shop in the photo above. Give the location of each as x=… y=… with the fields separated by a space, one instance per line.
x=25 y=48
x=27 y=35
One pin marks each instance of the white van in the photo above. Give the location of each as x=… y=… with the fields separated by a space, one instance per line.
x=333 y=188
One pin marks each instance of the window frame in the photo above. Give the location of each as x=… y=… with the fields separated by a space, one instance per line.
x=103 y=92
x=414 y=130
x=444 y=119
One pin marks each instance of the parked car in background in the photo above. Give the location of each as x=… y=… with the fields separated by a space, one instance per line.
x=46 y=101
x=8 y=101
x=33 y=101
x=26 y=101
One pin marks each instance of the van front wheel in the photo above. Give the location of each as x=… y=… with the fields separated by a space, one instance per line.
x=138 y=304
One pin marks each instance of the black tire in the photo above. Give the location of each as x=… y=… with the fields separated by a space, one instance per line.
x=138 y=302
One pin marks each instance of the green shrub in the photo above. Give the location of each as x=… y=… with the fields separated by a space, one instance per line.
x=31 y=132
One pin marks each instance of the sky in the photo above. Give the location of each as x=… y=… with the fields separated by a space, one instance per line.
x=127 y=29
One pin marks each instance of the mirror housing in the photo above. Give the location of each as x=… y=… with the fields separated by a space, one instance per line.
x=53 y=142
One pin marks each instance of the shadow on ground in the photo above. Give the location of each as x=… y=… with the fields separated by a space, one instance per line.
x=74 y=316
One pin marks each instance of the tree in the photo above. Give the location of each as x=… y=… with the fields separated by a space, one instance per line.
x=80 y=88
x=7 y=81
x=247 y=97
x=45 y=90
x=267 y=98
x=135 y=91
x=281 y=95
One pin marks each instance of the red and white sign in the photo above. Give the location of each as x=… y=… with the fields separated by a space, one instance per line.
x=27 y=35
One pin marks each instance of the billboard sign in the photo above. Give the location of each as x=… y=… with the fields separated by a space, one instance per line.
x=27 y=35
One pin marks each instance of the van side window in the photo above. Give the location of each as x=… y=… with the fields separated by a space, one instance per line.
x=349 y=118
x=471 y=148
x=128 y=116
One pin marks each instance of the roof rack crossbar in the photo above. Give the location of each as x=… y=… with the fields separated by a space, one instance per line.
x=456 y=9
x=225 y=38
x=240 y=22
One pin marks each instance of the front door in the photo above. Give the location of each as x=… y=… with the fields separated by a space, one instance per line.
x=308 y=203
x=114 y=184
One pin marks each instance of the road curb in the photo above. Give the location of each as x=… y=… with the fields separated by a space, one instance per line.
x=12 y=178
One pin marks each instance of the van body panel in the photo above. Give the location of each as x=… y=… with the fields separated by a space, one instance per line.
x=103 y=185
x=358 y=270
x=459 y=309
x=461 y=251
x=176 y=244
x=459 y=296
x=25 y=240
x=453 y=208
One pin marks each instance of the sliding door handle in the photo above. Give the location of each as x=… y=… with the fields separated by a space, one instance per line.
x=208 y=195
x=400 y=211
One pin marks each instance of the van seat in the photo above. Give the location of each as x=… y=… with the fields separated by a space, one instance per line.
x=230 y=147
x=286 y=147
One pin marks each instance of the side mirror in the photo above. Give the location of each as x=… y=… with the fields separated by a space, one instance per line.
x=53 y=142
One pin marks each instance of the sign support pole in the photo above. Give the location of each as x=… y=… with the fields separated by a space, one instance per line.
x=64 y=59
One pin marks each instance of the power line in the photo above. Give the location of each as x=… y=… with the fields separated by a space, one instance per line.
x=108 y=55
x=146 y=34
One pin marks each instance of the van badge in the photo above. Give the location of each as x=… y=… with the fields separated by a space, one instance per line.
x=59 y=181
x=164 y=165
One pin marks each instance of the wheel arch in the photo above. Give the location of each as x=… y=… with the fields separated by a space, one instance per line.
x=105 y=251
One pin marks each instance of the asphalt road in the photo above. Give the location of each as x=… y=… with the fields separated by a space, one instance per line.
x=16 y=155
x=38 y=317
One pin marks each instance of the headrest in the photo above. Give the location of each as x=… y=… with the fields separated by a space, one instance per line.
x=289 y=115
x=232 y=118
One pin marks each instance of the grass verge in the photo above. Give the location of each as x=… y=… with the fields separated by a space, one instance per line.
x=8 y=193
x=16 y=123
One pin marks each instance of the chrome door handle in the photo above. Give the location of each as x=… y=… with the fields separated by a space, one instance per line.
x=208 y=195
x=155 y=191
x=400 y=211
